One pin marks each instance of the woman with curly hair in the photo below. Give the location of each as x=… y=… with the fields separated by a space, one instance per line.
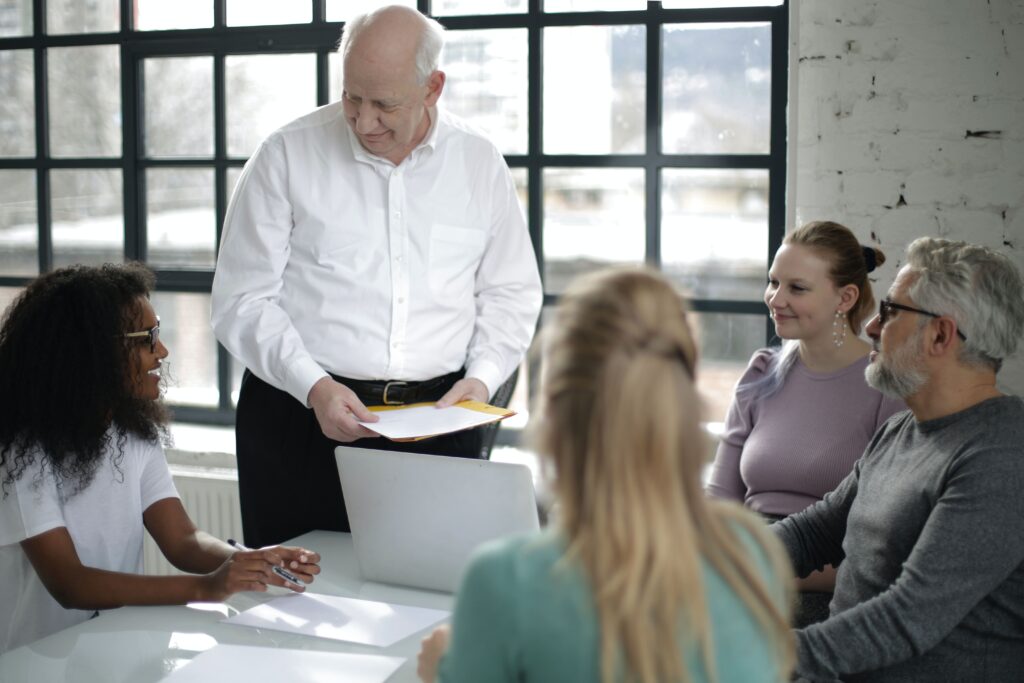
x=642 y=578
x=82 y=469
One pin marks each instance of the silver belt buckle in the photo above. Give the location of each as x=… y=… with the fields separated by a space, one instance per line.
x=384 y=397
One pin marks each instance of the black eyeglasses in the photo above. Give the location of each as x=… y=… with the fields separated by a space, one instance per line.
x=152 y=335
x=886 y=307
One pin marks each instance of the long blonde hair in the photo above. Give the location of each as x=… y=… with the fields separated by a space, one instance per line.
x=620 y=422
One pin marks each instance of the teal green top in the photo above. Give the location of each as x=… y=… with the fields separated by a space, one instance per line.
x=522 y=617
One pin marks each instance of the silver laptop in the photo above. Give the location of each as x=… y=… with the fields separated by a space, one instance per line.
x=416 y=518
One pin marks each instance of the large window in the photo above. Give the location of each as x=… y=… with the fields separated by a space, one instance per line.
x=637 y=133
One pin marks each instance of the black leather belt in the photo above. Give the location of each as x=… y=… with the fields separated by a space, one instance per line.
x=396 y=392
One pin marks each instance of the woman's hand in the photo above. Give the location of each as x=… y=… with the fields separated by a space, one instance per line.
x=431 y=650
x=253 y=570
x=302 y=563
x=248 y=570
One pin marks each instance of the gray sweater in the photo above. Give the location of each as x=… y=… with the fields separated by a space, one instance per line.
x=929 y=527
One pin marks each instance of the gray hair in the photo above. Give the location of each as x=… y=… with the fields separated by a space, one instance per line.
x=982 y=290
x=428 y=51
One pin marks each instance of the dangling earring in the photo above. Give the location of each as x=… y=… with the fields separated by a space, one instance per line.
x=839 y=329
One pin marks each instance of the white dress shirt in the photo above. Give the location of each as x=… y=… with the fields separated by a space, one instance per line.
x=336 y=260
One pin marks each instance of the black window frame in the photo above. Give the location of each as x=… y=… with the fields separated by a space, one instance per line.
x=321 y=37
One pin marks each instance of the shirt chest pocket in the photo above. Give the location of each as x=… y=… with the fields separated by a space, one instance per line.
x=455 y=255
x=355 y=246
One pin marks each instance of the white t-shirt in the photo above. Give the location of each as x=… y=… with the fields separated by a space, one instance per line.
x=105 y=523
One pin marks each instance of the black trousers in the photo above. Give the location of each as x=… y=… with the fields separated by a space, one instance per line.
x=287 y=476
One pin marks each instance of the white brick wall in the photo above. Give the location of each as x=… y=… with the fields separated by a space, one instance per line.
x=908 y=119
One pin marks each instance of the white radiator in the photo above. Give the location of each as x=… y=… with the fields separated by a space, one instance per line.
x=210 y=496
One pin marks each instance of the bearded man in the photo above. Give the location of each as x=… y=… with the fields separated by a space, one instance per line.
x=928 y=529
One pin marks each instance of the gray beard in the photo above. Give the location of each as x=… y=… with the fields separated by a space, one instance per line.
x=897 y=377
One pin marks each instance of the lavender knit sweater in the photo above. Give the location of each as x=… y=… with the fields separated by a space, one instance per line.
x=781 y=454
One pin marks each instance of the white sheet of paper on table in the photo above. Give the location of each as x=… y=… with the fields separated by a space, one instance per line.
x=426 y=420
x=273 y=664
x=348 y=619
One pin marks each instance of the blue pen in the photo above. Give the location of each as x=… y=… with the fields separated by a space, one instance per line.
x=280 y=571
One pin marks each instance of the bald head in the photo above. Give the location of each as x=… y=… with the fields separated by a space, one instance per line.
x=394 y=38
x=390 y=78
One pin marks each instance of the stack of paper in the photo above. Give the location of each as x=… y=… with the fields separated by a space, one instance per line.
x=422 y=420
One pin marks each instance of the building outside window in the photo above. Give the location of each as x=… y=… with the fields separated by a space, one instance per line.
x=637 y=132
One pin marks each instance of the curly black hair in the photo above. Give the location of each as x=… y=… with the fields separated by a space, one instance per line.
x=66 y=373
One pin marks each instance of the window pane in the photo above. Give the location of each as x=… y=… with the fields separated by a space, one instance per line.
x=441 y=8
x=160 y=15
x=15 y=18
x=19 y=234
x=714 y=231
x=264 y=92
x=487 y=83
x=334 y=85
x=521 y=179
x=257 y=12
x=7 y=296
x=75 y=16
x=602 y=113
x=592 y=5
x=593 y=218
x=179 y=107
x=233 y=174
x=85 y=101
x=17 y=104
x=343 y=10
x=716 y=89
x=698 y=4
x=180 y=217
x=190 y=369
x=726 y=343
x=88 y=220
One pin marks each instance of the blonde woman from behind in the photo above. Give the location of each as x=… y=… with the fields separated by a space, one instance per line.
x=642 y=578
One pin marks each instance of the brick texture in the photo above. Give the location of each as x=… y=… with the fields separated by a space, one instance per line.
x=909 y=121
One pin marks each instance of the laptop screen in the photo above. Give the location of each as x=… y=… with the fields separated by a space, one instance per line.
x=416 y=518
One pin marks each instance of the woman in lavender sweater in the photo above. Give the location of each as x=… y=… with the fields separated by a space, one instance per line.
x=802 y=414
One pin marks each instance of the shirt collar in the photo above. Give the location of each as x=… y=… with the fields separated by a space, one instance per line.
x=431 y=138
x=429 y=141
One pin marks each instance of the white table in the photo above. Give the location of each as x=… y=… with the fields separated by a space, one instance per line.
x=144 y=644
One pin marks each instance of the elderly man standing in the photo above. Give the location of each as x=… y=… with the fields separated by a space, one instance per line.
x=374 y=252
x=929 y=526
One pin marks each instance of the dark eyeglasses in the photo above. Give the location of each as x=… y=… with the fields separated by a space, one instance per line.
x=152 y=335
x=886 y=307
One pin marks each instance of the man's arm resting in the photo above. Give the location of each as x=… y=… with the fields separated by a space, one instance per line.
x=814 y=538
x=972 y=541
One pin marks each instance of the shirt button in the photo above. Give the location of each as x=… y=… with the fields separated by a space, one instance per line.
x=394 y=345
x=401 y=299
